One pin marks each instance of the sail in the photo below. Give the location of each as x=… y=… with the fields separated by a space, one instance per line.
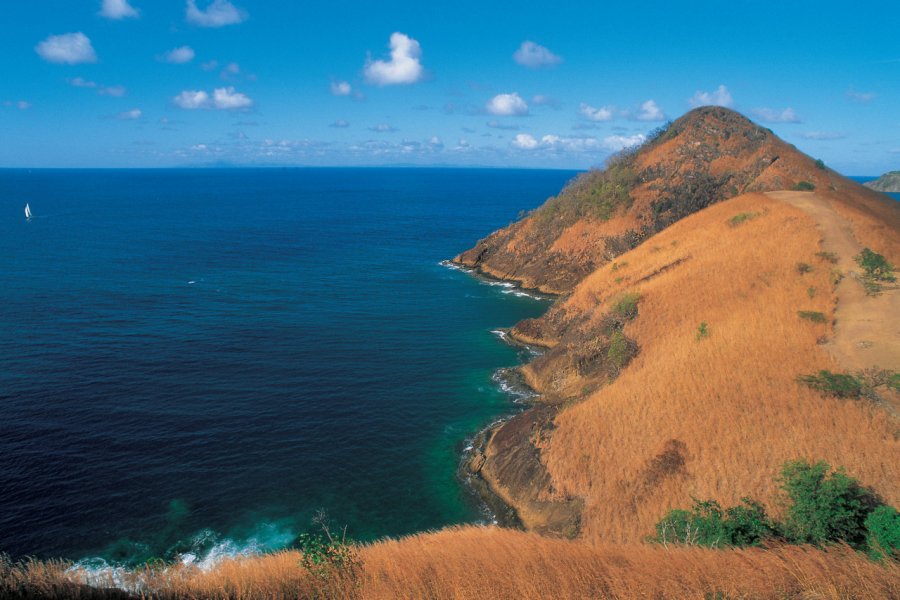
x=27 y=211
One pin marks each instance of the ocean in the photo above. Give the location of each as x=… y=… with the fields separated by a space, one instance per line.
x=195 y=363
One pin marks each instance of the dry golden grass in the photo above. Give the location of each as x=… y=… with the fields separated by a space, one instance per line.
x=728 y=404
x=472 y=562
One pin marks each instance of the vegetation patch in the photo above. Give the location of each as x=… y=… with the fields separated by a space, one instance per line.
x=812 y=315
x=863 y=384
x=327 y=555
x=828 y=257
x=626 y=307
x=876 y=271
x=743 y=217
x=598 y=194
x=702 y=331
x=804 y=186
x=839 y=385
x=804 y=268
x=822 y=506
x=820 y=164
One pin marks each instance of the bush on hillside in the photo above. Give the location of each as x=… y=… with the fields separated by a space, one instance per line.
x=876 y=267
x=839 y=385
x=706 y=524
x=825 y=506
x=626 y=306
x=804 y=186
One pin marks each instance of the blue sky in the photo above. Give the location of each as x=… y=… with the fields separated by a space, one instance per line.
x=146 y=83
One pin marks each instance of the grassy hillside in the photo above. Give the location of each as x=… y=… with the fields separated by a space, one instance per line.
x=710 y=405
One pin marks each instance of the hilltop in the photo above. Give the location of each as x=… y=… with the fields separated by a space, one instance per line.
x=889 y=182
x=691 y=308
x=708 y=155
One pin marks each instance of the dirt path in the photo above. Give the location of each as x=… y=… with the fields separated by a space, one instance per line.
x=867 y=329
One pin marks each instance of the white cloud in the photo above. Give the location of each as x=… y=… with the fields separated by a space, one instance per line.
x=604 y=113
x=192 y=99
x=861 y=97
x=180 y=55
x=435 y=142
x=118 y=9
x=68 y=48
x=227 y=99
x=341 y=88
x=218 y=14
x=404 y=66
x=382 y=128
x=719 y=97
x=614 y=143
x=210 y=65
x=507 y=104
x=81 y=82
x=650 y=111
x=117 y=91
x=130 y=115
x=340 y=124
x=525 y=141
x=230 y=70
x=620 y=142
x=534 y=56
x=21 y=104
x=822 y=135
x=774 y=116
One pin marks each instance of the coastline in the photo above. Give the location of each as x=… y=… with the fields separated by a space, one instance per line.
x=501 y=465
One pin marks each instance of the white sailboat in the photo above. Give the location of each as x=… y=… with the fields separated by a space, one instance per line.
x=27 y=211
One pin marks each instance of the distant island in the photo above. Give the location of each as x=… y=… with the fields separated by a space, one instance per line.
x=889 y=182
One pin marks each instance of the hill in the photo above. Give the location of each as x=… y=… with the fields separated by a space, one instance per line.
x=671 y=369
x=889 y=182
x=708 y=155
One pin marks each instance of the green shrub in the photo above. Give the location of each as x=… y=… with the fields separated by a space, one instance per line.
x=626 y=307
x=326 y=555
x=825 y=506
x=747 y=524
x=811 y=315
x=875 y=265
x=820 y=164
x=828 y=256
x=883 y=532
x=742 y=217
x=811 y=291
x=620 y=352
x=840 y=385
x=804 y=186
x=702 y=331
x=803 y=268
x=708 y=525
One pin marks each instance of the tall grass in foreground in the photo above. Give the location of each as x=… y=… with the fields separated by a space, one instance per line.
x=473 y=562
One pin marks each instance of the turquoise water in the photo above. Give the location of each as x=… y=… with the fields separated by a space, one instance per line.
x=193 y=363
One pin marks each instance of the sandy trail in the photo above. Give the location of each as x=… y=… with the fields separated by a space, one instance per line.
x=867 y=329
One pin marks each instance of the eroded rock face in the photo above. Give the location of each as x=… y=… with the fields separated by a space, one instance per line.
x=511 y=464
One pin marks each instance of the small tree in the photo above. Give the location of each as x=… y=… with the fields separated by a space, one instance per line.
x=825 y=506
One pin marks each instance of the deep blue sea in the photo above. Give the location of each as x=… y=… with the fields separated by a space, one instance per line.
x=197 y=361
